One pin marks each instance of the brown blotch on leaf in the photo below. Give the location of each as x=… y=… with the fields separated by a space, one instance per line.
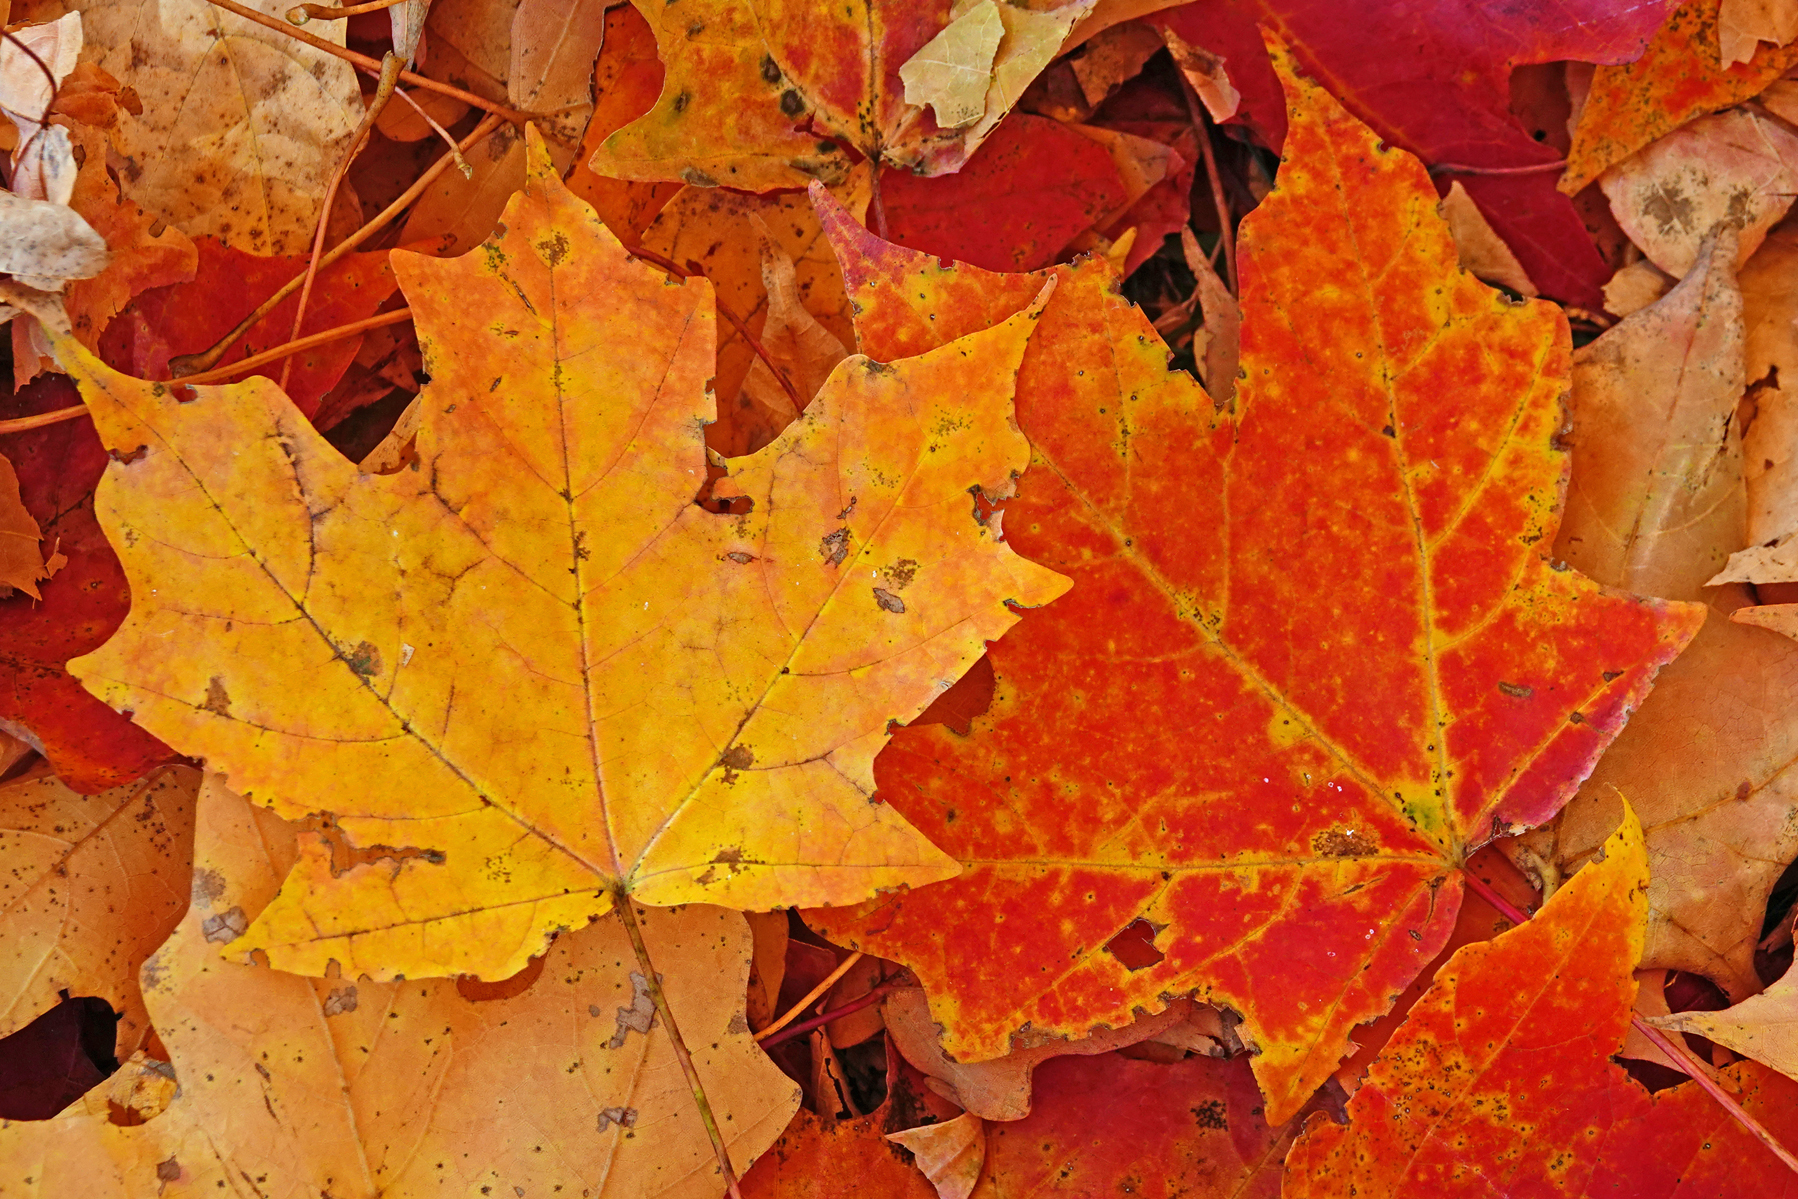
x=835 y=547
x=1516 y=690
x=737 y=757
x=1344 y=843
x=365 y=660
x=218 y=700
x=888 y=601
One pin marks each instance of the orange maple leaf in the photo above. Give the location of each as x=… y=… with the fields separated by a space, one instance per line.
x=1315 y=653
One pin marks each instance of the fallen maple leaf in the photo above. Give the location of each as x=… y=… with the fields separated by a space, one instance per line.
x=1507 y=1057
x=627 y=78
x=364 y=1089
x=1743 y=24
x=1678 y=76
x=1269 y=720
x=94 y=883
x=552 y=675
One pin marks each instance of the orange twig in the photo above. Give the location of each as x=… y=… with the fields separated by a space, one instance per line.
x=834 y=1014
x=379 y=320
x=390 y=76
x=23 y=423
x=368 y=65
x=55 y=417
x=811 y=996
x=653 y=982
x=724 y=310
x=300 y=14
x=1675 y=1053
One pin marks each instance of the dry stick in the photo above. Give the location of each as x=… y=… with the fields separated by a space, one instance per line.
x=390 y=77
x=628 y=916
x=1202 y=131
x=1535 y=168
x=837 y=1013
x=43 y=118
x=324 y=12
x=724 y=310
x=455 y=153
x=368 y=65
x=829 y=982
x=22 y=423
x=379 y=320
x=1675 y=1053
x=207 y=359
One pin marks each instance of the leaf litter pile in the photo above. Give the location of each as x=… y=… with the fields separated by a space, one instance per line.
x=1019 y=597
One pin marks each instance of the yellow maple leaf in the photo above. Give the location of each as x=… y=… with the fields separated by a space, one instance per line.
x=530 y=664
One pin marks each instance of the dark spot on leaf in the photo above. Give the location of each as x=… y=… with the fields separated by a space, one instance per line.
x=790 y=103
x=1516 y=690
x=1342 y=842
x=888 y=601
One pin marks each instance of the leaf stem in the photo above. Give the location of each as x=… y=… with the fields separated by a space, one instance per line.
x=58 y=415
x=300 y=14
x=836 y=1013
x=390 y=77
x=1675 y=1053
x=1458 y=168
x=811 y=996
x=628 y=917
x=368 y=65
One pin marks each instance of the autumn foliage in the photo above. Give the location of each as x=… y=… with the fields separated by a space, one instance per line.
x=890 y=599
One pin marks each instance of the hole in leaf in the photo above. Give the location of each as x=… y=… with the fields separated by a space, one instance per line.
x=57 y=1058
x=1135 y=946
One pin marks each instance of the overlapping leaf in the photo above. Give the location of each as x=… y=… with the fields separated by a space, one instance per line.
x=532 y=664
x=1272 y=717
x=1442 y=91
x=1500 y=1079
x=299 y=1086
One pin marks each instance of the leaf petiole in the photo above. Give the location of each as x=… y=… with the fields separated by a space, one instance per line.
x=628 y=917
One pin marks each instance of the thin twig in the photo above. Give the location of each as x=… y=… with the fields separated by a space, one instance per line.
x=628 y=917
x=830 y=980
x=390 y=77
x=724 y=310
x=1675 y=1053
x=448 y=140
x=205 y=360
x=368 y=65
x=1201 y=129
x=57 y=416
x=324 y=12
x=854 y=1005
x=43 y=119
x=378 y=321
x=1535 y=168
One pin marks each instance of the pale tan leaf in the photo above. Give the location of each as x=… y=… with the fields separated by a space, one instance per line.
x=1482 y=252
x=1733 y=168
x=1205 y=71
x=456 y=214
x=241 y=127
x=1635 y=287
x=92 y=885
x=1743 y=24
x=1763 y=1027
x=554 y=45
x=1656 y=503
x=368 y=1090
x=950 y=1154
x=999 y=1088
x=952 y=71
